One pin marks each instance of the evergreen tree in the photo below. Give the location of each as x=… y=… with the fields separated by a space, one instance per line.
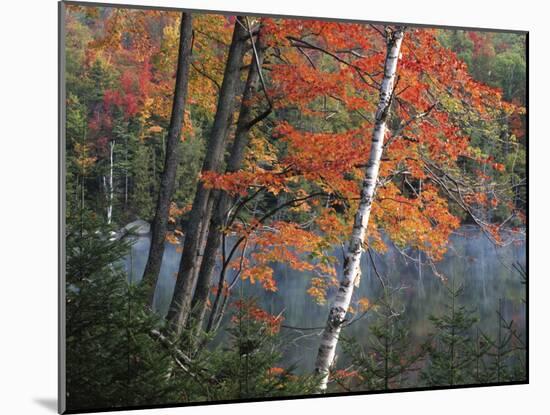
x=501 y=351
x=506 y=351
x=112 y=359
x=80 y=164
x=248 y=366
x=387 y=358
x=451 y=353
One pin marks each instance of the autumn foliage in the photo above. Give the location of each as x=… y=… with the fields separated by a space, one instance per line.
x=241 y=146
x=309 y=154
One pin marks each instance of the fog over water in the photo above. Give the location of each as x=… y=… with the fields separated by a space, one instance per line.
x=485 y=270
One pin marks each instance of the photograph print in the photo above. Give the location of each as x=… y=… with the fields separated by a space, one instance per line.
x=261 y=207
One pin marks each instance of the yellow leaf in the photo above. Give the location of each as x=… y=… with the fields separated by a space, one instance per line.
x=155 y=129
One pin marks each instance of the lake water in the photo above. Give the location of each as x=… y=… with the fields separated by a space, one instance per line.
x=486 y=271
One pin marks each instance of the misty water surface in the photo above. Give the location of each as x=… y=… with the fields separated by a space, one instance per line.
x=486 y=271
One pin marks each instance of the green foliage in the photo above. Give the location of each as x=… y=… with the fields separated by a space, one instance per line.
x=497 y=59
x=502 y=354
x=386 y=360
x=451 y=354
x=78 y=36
x=112 y=360
x=141 y=199
x=191 y=157
x=504 y=350
x=247 y=366
x=139 y=154
x=457 y=353
x=75 y=140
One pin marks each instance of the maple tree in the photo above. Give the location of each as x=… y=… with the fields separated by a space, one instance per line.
x=425 y=145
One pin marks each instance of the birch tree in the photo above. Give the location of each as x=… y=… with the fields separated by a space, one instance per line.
x=339 y=308
x=109 y=184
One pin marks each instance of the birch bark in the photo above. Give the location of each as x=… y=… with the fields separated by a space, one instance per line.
x=111 y=190
x=339 y=309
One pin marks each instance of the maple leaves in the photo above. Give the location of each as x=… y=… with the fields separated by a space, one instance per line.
x=422 y=222
x=287 y=243
x=275 y=371
x=322 y=78
x=240 y=182
x=249 y=311
x=132 y=93
x=326 y=71
x=174 y=214
x=321 y=60
x=328 y=158
x=127 y=44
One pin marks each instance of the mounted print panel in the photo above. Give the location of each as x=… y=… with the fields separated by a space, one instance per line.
x=267 y=207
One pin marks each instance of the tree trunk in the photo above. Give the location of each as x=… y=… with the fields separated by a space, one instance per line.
x=168 y=177
x=109 y=184
x=203 y=232
x=222 y=200
x=126 y=174
x=186 y=279
x=338 y=311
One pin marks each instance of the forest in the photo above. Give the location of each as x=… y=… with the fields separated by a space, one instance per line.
x=260 y=207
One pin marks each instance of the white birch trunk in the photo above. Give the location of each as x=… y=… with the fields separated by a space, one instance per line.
x=126 y=175
x=339 y=309
x=111 y=190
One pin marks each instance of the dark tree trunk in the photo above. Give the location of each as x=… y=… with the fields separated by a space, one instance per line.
x=223 y=200
x=198 y=217
x=168 y=177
